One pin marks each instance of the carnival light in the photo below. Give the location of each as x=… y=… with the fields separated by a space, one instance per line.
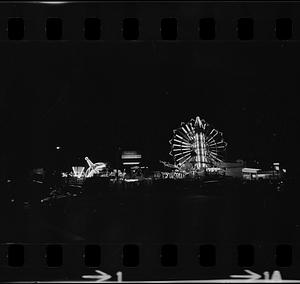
x=131 y=163
x=78 y=171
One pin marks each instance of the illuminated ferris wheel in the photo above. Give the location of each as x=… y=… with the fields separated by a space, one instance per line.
x=198 y=144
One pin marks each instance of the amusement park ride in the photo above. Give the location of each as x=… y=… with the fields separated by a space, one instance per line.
x=196 y=147
x=94 y=168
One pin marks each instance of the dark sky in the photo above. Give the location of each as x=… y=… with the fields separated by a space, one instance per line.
x=91 y=98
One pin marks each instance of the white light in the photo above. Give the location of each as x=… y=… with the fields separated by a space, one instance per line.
x=131 y=180
x=179 y=137
x=131 y=163
x=78 y=171
x=250 y=170
x=131 y=156
x=53 y=2
x=213 y=169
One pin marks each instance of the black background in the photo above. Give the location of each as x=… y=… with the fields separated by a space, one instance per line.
x=92 y=97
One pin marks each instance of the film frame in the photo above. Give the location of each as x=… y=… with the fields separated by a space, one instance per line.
x=154 y=35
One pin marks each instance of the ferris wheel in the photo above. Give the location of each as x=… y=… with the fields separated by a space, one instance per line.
x=197 y=144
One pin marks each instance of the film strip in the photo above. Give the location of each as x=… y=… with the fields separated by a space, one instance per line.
x=149 y=142
x=283 y=29
x=65 y=20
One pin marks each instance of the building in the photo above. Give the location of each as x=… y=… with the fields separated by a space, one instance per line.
x=233 y=169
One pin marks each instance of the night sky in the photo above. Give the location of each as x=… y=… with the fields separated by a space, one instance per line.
x=91 y=98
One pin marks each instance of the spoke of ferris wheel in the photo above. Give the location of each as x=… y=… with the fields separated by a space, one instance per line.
x=216 y=132
x=217 y=159
x=186 y=137
x=210 y=132
x=182 y=142
x=216 y=144
x=184 y=130
x=221 y=147
x=181 y=150
x=183 y=138
x=188 y=128
x=215 y=156
x=179 y=140
x=186 y=149
x=212 y=142
x=186 y=160
x=181 y=146
x=184 y=156
x=213 y=152
x=182 y=153
x=179 y=143
x=188 y=134
x=209 y=139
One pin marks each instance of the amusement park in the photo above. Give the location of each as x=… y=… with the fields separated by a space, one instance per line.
x=195 y=182
x=197 y=153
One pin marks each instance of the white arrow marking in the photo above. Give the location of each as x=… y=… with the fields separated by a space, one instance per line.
x=102 y=276
x=250 y=276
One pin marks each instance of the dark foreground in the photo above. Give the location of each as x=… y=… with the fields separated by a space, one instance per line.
x=222 y=214
x=214 y=212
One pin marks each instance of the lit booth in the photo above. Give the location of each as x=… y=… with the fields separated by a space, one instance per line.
x=250 y=173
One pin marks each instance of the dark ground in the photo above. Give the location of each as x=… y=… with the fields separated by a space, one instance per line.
x=157 y=213
x=224 y=215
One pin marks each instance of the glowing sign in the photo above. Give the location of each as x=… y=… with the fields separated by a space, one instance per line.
x=131 y=155
x=131 y=158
